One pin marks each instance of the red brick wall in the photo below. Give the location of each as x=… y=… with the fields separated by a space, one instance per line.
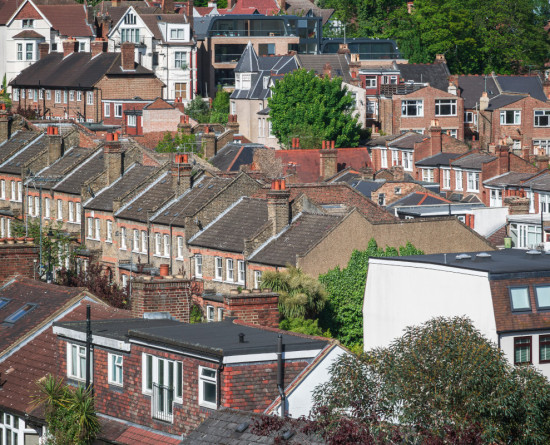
x=163 y=295
x=17 y=259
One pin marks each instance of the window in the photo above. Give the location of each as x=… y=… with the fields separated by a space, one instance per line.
x=132 y=120
x=198 y=265
x=36 y=206
x=181 y=90
x=412 y=108
x=257 y=279
x=177 y=34
x=19 y=313
x=246 y=81
x=71 y=211
x=97 y=229
x=19 y=57
x=208 y=388
x=209 y=313
x=76 y=362
x=543 y=296
x=157 y=243
x=2 y=235
x=389 y=80
x=91 y=228
x=71 y=95
x=123 y=238
x=241 y=271
x=129 y=35
x=143 y=241
x=162 y=372
x=370 y=82
x=109 y=232
x=265 y=82
x=525 y=236
x=384 y=158
x=522 y=350
x=446 y=173
x=230 y=273
x=453 y=132
x=20 y=191
x=78 y=212
x=381 y=199
x=23 y=93
x=219 y=268
x=41 y=94
x=130 y=19
x=16 y=94
x=29 y=51
x=458 y=179
x=473 y=182
x=394 y=157
x=266 y=49
x=118 y=110
x=445 y=107
x=2 y=189
x=166 y=239
x=407 y=160
x=542 y=118
x=107 y=110
x=12 y=429
x=89 y=98
x=27 y=23
x=519 y=298
x=114 y=362
x=65 y=96
x=233 y=107
x=544 y=349
x=57 y=96
x=29 y=205
x=510 y=117
x=544 y=203
x=496 y=198
x=135 y=247
x=470 y=117
x=78 y=96
x=428 y=175
x=220 y=314
x=180 y=246
x=180 y=59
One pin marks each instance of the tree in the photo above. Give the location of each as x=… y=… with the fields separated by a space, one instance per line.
x=220 y=107
x=441 y=382
x=179 y=142
x=314 y=109
x=198 y=109
x=299 y=294
x=346 y=290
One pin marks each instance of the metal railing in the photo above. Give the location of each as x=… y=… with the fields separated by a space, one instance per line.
x=162 y=403
x=400 y=89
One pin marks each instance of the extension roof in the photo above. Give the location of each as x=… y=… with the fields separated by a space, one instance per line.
x=473 y=161
x=15 y=163
x=419 y=199
x=504 y=99
x=338 y=62
x=437 y=160
x=77 y=70
x=509 y=179
x=471 y=88
x=540 y=182
x=233 y=155
x=436 y=74
x=407 y=141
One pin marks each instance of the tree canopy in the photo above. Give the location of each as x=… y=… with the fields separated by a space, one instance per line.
x=440 y=383
x=476 y=36
x=314 y=109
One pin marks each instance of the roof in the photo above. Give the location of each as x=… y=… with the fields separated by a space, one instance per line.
x=302 y=7
x=530 y=85
x=122 y=433
x=221 y=428
x=508 y=178
x=440 y=159
x=367 y=187
x=72 y=182
x=159 y=104
x=66 y=163
x=418 y=199
x=297 y=239
x=471 y=88
x=78 y=70
x=436 y=74
x=219 y=339
x=504 y=99
x=18 y=140
x=540 y=182
x=40 y=357
x=154 y=21
x=69 y=20
x=131 y=179
x=307 y=162
x=232 y=227
x=233 y=155
x=248 y=63
x=338 y=63
x=15 y=163
x=28 y=34
x=190 y=202
x=473 y=160
x=407 y=141
x=265 y=7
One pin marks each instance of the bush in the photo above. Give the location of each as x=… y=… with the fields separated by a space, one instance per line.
x=303 y=326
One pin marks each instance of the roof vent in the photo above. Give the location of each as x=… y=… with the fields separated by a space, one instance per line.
x=483 y=255
x=463 y=256
x=288 y=434
x=242 y=427
x=533 y=252
x=241 y=338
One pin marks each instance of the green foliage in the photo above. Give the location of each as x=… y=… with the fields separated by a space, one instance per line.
x=70 y=413
x=475 y=36
x=195 y=314
x=198 y=109
x=179 y=142
x=220 y=107
x=440 y=380
x=346 y=288
x=303 y=326
x=299 y=294
x=222 y=4
x=314 y=109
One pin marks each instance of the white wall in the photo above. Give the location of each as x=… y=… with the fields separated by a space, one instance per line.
x=488 y=219
x=507 y=346
x=400 y=294
x=299 y=400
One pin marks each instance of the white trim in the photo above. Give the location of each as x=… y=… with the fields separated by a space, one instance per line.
x=176 y=351
x=96 y=339
x=270 y=356
x=176 y=199
x=421 y=265
x=12 y=18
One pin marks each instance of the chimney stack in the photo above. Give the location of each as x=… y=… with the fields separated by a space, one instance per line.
x=440 y=58
x=184 y=126
x=503 y=159
x=328 y=160
x=181 y=174
x=209 y=143
x=43 y=49
x=483 y=101
x=410 y=7
x=343 y=48
x=112 y=157
x=70 y=46
x=232 y=124
x=278 y=208
x=4 y=123
x=178 y=103
x=127 y=56
x=327 y=70
x=167 y=6
x=54 y=144
x=435 y=137
x=98 y=46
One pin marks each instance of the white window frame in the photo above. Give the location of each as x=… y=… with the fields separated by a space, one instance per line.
x=545 y=115
x=230 y=270
x=118 y=110
x=458 y=180
x=16 y=94
x=495 y=198
x=123 y=238
x=472 y=181
x=384 y=158
x=135 y=241
x=418 y=105
x=516 y=119
x=78 y=213
x=180 y=59
x=97 y=226
x=109 y=238
x=444 y=103
x=89 y=98
x=36 y=206
x=180 y=248
x=59 y=210
x=78 y=373
x=107 y=109
x=407 y=161
x=90 y=221
x=370 y=81
x=2 y=189
x=144 y=243
x=47 y=210
x=57 y=96
x=395 y=157
x=132 y=120
x=246 y=81
x=218 y=268
x=428 y=175
x=241 y=272
x=446 y=178
x=210 y=313
x=198 y=265
x=79 y=96
x=166 y=245
x=257 y=279
x=71 y=211
x=203 y=379
x=178 y=392
x=115 y=363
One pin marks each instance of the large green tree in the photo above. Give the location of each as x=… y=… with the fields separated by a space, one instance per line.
x=440 y=383
x=314 y=109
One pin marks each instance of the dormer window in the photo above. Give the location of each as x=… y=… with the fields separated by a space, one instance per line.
x=246 y=80
x=266 y=82
x=130 y=19
x=177 y=34
x=28 y=23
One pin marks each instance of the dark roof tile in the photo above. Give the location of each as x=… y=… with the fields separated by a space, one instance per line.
x=473 y=161
x=436 y=74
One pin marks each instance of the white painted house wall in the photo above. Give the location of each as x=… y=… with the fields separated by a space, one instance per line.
x=507 y=346
x=400 y=294
x=489 y=219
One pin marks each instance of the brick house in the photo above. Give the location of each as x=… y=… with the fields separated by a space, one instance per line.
x=504 y=293
x=55 y=88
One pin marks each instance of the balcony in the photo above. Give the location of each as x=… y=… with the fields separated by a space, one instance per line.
x=162 y=403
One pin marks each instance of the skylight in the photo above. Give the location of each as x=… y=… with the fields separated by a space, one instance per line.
x=3 y=302
x=20 y=313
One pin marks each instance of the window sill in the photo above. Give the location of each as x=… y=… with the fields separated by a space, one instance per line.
x=179 y=258
x=472 y=191
x=445 y=115
x=208 y=405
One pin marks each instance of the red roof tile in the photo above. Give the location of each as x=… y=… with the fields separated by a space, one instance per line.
x=159 y=104
x=69 y=20
x=138 y=436
x=308 y=161
x=203 y=10
x=267 y=7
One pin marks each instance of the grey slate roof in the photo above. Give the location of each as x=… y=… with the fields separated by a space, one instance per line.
x=471 y=88
x=473 y=161
x=540 y=182
x=304 y=232
x=15 y=163
x=232 y=156
x=131 y=179
x=229 y=231
x=436 y=74
x=407 y=141
x=367 y=187
x=72 y=183
x=509 y=178
x=440 y=159
x=248 y=63
x=18 y=140
x=504 y=99
x=417 y=199
x=220 y=428
x=316 y=62
x=531 y=85
x=189 y=203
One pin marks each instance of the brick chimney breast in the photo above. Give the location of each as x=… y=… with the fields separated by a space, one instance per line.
x=127 y=56
x=328 y=160
x=98 y=46
x=43 y=49
x=112 y=157
x=70 y=46
x=181 y=174
x=55 y=143
x=278 y=206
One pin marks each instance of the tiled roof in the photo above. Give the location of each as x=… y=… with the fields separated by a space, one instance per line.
x=418 y=199
x=471 y=88
x=28 y=34
x=440 y=159
x=131 y=179
x=72 y=183
x=15 y=163
x=407 y=141
x=531 y=85
x=436 y=74
x=139 y=436
x=316 y=62
x=40 y=357
x=221 y=428
x=18 y=140
x=69 y=20
x=150 y=199
x=308 y=161
x=229 y=231
x=159 y=104
x=231 y=157
x=304 y=233
x=473 y=161
x=70 y=160
x=540 y=182
x=508 y=178
x=504 y=99
x=302 y=7
x=189 y=203
x=265 y=7
x=154 y=21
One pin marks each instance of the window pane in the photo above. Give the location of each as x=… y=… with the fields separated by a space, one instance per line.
x=520 y=298
x=149 y=371
x=543 y=296
x=208 y=373
x=209 y=392
x=179 y=379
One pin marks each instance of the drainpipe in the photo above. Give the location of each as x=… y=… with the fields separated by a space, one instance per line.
x=88 y=347
x=280 y=371
x=171 y=248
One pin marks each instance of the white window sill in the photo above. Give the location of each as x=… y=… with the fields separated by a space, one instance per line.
x=179 y=258
x=120 y=385
x=110 y=241
x=123 y=248
x=472 y=191
x=445 y=115
x=208 y=405
x=219 y=280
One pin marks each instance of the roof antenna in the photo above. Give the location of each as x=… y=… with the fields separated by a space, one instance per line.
x=485 y=83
